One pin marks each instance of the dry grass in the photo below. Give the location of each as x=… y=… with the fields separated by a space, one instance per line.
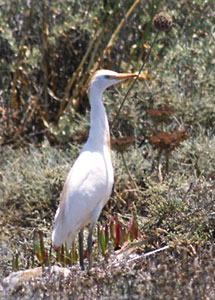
x=175 y=209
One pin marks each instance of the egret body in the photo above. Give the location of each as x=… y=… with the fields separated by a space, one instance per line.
x=90 y=181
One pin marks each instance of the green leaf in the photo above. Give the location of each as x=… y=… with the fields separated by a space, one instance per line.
x=102 y=242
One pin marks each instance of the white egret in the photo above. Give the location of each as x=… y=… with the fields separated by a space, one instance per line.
x=90 y=181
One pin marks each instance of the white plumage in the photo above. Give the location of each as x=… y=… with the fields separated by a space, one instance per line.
x=90 y=181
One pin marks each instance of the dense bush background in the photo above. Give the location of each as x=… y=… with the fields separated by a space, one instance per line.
x=48 y=51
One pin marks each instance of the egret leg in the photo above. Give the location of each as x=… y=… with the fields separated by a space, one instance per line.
x=81 y=250
x=89 y=246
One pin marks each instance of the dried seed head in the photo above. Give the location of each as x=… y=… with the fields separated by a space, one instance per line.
x=168 y=141
x=161 y=114
x=162 y=21
x=122 y=144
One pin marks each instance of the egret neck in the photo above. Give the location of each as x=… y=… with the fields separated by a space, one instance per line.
x=99 y=135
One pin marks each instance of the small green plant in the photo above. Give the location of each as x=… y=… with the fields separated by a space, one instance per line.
x=119 y=233
x=103 y=239
x=42 y=255
x=15 y=262
x=65 y=257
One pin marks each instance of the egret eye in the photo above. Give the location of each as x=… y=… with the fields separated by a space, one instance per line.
x=108 y=77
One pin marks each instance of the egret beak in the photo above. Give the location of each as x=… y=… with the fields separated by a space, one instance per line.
x=124 y=76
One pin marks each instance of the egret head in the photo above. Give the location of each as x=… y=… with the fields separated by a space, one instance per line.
x=104 y=78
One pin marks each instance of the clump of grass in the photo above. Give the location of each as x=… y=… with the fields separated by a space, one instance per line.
x=179 y=211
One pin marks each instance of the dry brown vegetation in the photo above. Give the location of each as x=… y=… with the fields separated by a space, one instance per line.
x=49 y=49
